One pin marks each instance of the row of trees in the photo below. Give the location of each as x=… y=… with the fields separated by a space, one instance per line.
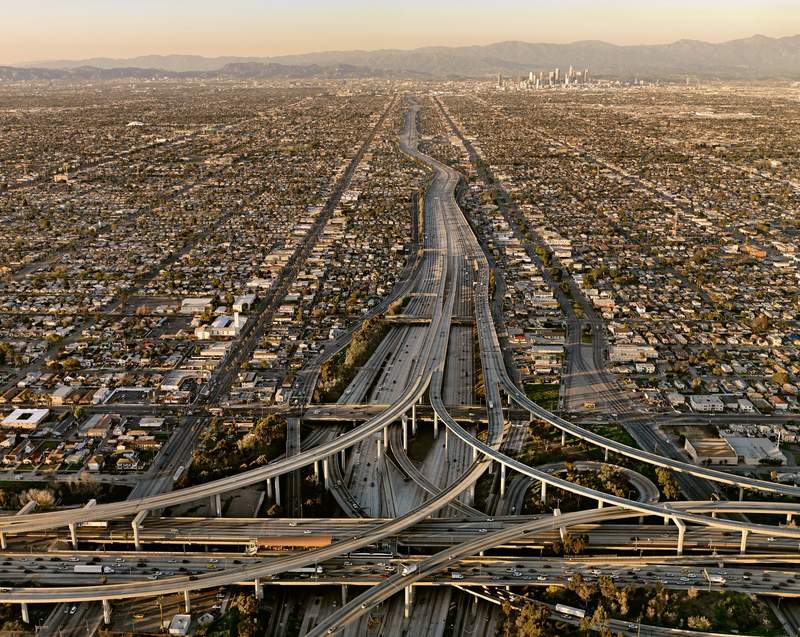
x=336 y=373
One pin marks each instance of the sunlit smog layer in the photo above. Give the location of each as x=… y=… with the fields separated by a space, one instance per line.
x=374 y=357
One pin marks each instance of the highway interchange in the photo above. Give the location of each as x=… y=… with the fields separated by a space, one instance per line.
x=392 y=497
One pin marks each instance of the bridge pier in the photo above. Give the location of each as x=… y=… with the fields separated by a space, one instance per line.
x=502 y=480
x=106 y=612
x=741 y=494
x=789 y=518
x=562 y=531
x=73 y=535
x=187 y=602
x=344 y=594
x=445 y=438
x=380 y=448
x=259 y=589
x=405 y=432
x=563 y=438
x=414 y=419
x=743 y=543
x=600 y=504
x=472 y=494
x=681 y=534
x=605 y=455
x=544 y=492
x=316 y=470
x=136 y=525
x=435 y=426
x=326 y=473
x=26 y=618
x=409 y=601
x=216 y=505
x=277 y=491
x=269 y=488
x=343 y=459
x=385 y=437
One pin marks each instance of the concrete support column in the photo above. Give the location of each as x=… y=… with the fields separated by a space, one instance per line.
x=563 y=438
x=277 y=490
x=3 y=544
x=344 y=594
x=386 y=436
x=605 y=455
x=409 y=591
x=472 y=494
x=414 y=419
x=316 y=471
x=714 y=515
x=259 y=589
x=562 y=531
x=218 y=502
x=73 y=535
x=136 y=525
x=446 y=436
x=106 y=612
x=269 y=488
x=502 y=480
x=405 y=433
x=544 y=492
x=380 y=448
x=343 y=459
x=187 y=602
x=789 y=518
x=435 y=425
x=743 y=544
x=600 y=504
x=474 y=454
x=681 y=534
x=26 y=618
x=326 y=473
x=741 y=494
x=666 y=520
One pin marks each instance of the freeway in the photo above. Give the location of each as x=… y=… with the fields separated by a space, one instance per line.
x=448 y=244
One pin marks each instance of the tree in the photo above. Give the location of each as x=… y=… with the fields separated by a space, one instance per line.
x=698 y=622
x=761 y=324
x=669 y=487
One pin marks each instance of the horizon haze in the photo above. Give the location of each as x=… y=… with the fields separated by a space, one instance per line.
x=46 y=30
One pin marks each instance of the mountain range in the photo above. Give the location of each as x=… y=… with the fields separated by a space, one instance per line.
x=754 y=57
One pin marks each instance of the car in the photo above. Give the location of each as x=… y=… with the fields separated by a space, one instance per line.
x=292 y=523
x=73 y=610
x=307 y=532
x=482 y=531
x=152 y=577
x=541 y=578
x=365 y=605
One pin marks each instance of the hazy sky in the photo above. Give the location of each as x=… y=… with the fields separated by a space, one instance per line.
x=48 y=29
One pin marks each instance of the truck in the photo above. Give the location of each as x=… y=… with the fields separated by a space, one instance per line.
x=570 y=610
x=456 y=575
x=716 y=579
x=92 y=568
x=178 y=473
x=408 y=570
